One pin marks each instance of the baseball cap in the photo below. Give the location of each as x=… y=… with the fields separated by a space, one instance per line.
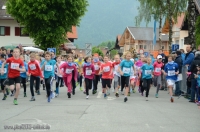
x=3 y=56
x=159 y=57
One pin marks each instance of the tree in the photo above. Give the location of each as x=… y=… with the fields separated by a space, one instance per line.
x=109 y=45
x=197 y=31
x=169 y=9
x=47 y=21
x=97 y=50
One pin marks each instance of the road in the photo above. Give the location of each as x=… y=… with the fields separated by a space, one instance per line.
x=102 y=115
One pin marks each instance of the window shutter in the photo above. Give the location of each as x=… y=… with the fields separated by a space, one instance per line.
x=17 y=31
x=7 y=31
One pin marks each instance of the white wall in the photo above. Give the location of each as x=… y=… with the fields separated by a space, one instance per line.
x=12 y=39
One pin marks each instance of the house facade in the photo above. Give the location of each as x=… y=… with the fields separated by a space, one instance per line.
x=140 y=39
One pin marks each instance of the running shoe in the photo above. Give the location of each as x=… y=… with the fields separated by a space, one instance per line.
x=105 y=96
x=38 y=92
x=125 y=99
x=5 y=96
x=117 y=95
x=129 y=93
x=56 y=95
x=73 y=91
x=146 y=98
x=84 y=92
x=32 y=99
x=87 y=97
x=133 y=90
x=15 y=102
x=81 y=88
x=25 y=95
x=69 y=95
x=49 y=99
x=172 y=99
x=7 y=91
x=156 y=95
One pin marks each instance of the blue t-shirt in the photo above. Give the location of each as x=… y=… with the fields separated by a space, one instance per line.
x=49 y=68
x=147 y=71
x=5 y=75
x=23 y=74
x=170 y=69
x=126 y=67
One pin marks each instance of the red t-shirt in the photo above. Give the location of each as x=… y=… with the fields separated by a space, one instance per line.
x=97 y=67
x=157 y=68
x=12 y=65
x=107 y=70
x=34 y=69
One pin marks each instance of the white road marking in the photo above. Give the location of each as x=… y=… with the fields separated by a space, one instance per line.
x=110 y=98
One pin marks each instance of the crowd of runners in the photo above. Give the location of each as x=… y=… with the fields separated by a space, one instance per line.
x=129 y=73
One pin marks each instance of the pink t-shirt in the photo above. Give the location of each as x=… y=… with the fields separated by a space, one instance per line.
x=89 y=71
x=157 y=68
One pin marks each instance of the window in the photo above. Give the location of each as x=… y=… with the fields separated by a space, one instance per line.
x=21 y=32
x=2 y=31
x=141 y=46
x=145 y=46
x=163 y=47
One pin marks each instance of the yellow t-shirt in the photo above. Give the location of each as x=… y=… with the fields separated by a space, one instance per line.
x=80 y=63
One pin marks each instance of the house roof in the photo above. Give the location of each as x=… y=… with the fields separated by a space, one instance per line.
x=119 y=37
x=72 y=34
x=117 y=41
x=145 y=33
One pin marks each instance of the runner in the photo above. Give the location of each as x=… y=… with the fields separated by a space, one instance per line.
x=48 y=68
x=23 y=75
x=171 y=72
x=68 y=68
x=106 y=71
x=97 y=65
x=158 y=66
x=125 y=71
x=88 y=71
x=147 y=75
x=3 y=77
x=133 y=80
x=35 y=74
x=117 y=77
x=14 y=72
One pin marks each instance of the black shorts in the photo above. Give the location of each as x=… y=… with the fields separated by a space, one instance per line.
x=2 y=84
x=15 y=80
x=106 y=82
x=125 y=81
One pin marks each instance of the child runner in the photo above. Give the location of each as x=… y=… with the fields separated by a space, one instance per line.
x=3 y=76
x=171 y=72
x=106 y=71
x=125 y=71
x=23 y=75
x=117 y=77
x=158 y=66
x=14 y=72
x=97 y=65
x=48 y=68
x=68 y=68
x=88 y=71
x=59 y=75
x=147 y=75
x=35 y=73
x=133 y=79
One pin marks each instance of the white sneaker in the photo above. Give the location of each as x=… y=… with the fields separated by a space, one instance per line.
x=146 y=98
x=87 y=97
x=56 y=95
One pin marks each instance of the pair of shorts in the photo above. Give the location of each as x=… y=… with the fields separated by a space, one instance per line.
x=125 y=81
x=106 y=83
x=15 y=80
x=170 y=82
x=2 y=84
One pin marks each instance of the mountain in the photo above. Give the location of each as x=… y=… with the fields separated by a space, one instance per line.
x=105 y=19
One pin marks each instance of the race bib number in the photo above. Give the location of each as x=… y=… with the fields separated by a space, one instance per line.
x=171 y=73
x=5 y=70
x=158 y=70
x=147 y=72
x=88 y=72
x=69 y=71
x=126 y=70
x=14 y=65
x=116 y=68
x=32 y=66
x=48 y=68
x=106 y=69
x=96 y=67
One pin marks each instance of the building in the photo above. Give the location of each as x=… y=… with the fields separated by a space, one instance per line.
x=11 y=31
x=82 y=51
x=140 y=39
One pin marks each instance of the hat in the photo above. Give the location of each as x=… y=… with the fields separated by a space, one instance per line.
x=3 y=56
x=159 y=57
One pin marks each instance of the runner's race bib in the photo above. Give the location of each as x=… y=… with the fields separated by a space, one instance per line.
x=69 y=71
x=32 y=66
x=88 y=72
x=116 y=68
x=171 y=73
x=126 y=70
x=158 y=70
x=96 y=67
x=48 y=68
x=14 y=65
x=147 y=72
x=106 y=69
